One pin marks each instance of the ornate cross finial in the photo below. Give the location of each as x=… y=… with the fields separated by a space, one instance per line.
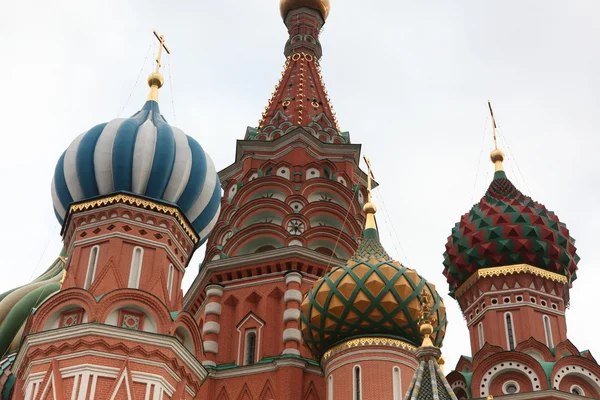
x=370 y=177
x=162 y=45
x=497 y=155
x=155 y=80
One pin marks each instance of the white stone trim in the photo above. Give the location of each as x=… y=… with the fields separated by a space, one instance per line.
x=340 y=360
x=292 y=295
x=495 y=370
x=213 y=308
x=250 y=370
x=96 y=329
x=512 y=326
x=211 y=327
x=293 y=277
x=295 y=352
x=208 y=363
x=292 y=335
x=505 y=386
x=291 y=314
x=210 y=346
x=577 y=370
x=354 y=383
x=547 y=324
x=214 y=290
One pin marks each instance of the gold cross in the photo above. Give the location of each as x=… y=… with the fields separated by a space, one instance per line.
x=493 y=125
x=161 y=40
x=370 y=177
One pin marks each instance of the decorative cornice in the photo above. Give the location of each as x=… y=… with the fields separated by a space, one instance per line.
x=509 y=270
x=138 y=202
x=368 y=341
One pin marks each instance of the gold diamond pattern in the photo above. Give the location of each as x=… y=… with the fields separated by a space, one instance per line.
x=414 y=308
x=346 y=286
x=336 y=307
x=321 y=295
x=403 y=288
x=388 y=271
x=315 y=316
x=335 y=275
x=376 y=315
x=414 y=277
x=389 y=302
x=360 y=270
x=400 y=318
x=374 y=284
x=351 y=317
x=361 y=301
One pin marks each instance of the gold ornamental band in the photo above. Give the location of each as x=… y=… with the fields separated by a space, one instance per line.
x=368 y=341
x=139 y=202
x=509 y=270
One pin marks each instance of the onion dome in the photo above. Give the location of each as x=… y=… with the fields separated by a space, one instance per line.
x=7 y=378
x=370 y=295
x=145 y=156
x=16 y=304
x=322 y=6
x=506 y=228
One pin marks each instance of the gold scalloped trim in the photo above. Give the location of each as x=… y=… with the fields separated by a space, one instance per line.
x=368 y=341
x=139 y=202
x=509 y=270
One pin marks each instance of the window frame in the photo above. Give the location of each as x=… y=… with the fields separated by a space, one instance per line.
x=91 y=268
x=135 y=267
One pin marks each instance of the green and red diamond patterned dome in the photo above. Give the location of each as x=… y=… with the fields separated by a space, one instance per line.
x=506 y=228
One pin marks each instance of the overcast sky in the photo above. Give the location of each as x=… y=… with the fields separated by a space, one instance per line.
x=408 y=79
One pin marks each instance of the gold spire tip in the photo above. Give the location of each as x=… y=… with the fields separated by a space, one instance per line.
x=156 y=80
x=425 y=326
x=497 y=155
x=369 y=208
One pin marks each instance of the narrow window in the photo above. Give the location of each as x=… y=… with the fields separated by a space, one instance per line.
x=357 y=384
x=250 y=353
x=481 y=337
x=548 y=331
x=136 y=268
x=91 y=270
x=510 y=334
x=397 y=384
x=170 y=280
x=330 y=388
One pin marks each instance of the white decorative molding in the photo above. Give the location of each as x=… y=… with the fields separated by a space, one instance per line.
x=291 y=351
x=504 y=366
x=292 y=295
x=577 y=370
x=211 y=327
x=291 y=314
x=210 y=346
x=96 y=329
x=212 y=308
x=214 y=290
x=208 y=363
x=293 y=277
x=292 y=335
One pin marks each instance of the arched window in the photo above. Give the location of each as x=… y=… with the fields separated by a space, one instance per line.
x=330 y=388
x=510 y=333
x=356 y=384
x=397 y=384
x=136 y=268
x=481 y=337
x=250 y=350
x=91 y=269
x=170 y=280
x=548 y=331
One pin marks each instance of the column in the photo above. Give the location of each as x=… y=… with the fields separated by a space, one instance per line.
x=292 y=297
x=212 y=327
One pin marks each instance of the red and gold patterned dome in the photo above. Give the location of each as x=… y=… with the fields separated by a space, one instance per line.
x=507 y=228
x=322 y=6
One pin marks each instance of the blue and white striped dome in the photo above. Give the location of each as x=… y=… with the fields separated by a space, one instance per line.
x=142 y=155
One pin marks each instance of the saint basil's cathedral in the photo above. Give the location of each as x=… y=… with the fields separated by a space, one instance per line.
x=296 y=298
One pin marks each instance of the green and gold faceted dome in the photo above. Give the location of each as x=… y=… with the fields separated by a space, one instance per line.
x=372 y=295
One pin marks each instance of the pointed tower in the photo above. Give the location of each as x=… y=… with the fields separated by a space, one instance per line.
x=510 y=263
x=290 y=211
x=135 y=197
x=361 y=320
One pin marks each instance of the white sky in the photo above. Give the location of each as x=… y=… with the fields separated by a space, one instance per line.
x=408 y=79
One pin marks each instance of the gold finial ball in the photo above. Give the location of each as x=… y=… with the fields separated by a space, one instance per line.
x=369 y=208
x=497 y=155
x=156 y=79
x=426 y=329
x=322 y=6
